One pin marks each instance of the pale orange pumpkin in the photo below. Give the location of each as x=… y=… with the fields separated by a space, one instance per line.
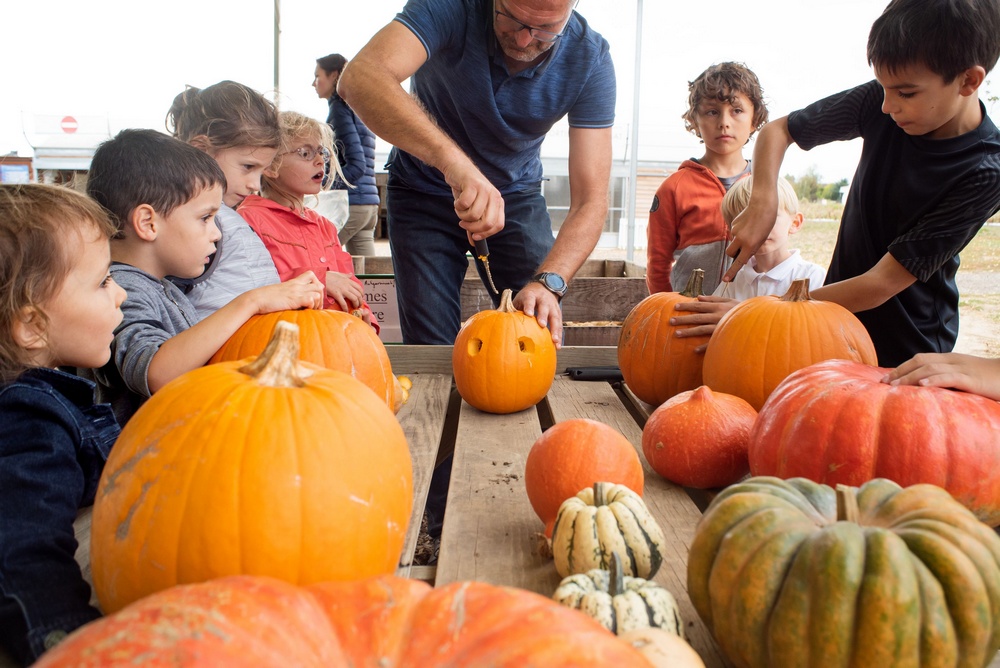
x=700 y=438
x=503 y=360
x=331 y=339
x=277 y=467
x=573 y=455
x=763 y=339
x=655 y=363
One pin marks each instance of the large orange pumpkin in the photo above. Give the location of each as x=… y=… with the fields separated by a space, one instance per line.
x=503 y=360
x=655 y=363
x=835 y=422
x=763 y=339
x=277 y=468
x=573 y=455
x=331 y=339
x=699 y=438
x=383 y=621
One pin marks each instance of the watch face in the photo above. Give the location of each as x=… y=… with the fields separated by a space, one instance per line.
x=555 y=282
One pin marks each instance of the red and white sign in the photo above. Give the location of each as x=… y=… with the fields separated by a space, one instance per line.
x=69 y=124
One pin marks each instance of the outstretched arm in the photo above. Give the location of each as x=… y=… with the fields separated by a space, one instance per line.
x=962 y=372
x=754 y=223
x=371 y=85
x=589 y=173
x=873 y=288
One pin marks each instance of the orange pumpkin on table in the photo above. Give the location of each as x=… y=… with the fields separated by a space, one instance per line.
x=278 y=467
x=331 y=339
x=503 y=360
x=763 y=339
x=383 y=621
x=655 y=363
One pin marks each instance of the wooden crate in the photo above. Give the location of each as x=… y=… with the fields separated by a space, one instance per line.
x=599 y=297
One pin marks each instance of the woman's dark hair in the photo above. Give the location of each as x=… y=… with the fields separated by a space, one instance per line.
x=332 y=63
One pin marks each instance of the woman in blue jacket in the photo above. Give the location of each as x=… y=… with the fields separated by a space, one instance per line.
x=356 y=151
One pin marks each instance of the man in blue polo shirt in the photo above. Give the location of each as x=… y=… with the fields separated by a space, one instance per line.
x=489 y=79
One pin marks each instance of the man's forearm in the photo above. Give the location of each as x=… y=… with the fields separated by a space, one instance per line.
x=576 y=240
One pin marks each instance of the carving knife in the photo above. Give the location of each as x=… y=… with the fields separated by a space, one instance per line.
x=483 y=253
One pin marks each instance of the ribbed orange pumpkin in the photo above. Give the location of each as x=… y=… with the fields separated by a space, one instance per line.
x=763 y=339
x=385 y=621
x=656 y=364
x=699 y=438
x=573 y=455
x=278 y=468
x=503 y=360
x=331 y=339
x=836 y=423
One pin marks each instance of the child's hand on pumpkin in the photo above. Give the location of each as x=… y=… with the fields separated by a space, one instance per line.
x=961 y=372
x=344 y=290
x=303 y=291
x=705 y=315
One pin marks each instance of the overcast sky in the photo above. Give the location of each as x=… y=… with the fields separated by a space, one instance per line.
x=124 y=61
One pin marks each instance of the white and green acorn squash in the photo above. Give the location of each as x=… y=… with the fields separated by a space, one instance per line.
x=620 y=603
x=601 y=521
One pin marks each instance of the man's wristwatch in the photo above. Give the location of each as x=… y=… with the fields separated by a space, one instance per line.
x=552 y=282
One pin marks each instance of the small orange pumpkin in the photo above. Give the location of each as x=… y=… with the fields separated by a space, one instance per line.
x=655 y=363
x=700 y=438
x=503 y=360
x=763 y=339
x=573 y=455
x=277 y=467
x=331 y=339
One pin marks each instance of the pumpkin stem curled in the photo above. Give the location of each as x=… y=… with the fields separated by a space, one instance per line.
x=277 y=366
x=847 y=504
x=616 y=579
x=694 y=286
x=507 y=302
x=798 y=292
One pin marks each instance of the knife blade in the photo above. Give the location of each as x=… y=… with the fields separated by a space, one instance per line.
x=483 y=253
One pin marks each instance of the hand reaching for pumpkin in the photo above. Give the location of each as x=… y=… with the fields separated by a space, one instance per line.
x=706 y=314
x=344 y=290
x=303 y=291
x=961 y=372
x=535 y=300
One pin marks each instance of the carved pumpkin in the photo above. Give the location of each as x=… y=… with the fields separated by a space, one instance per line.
x=763 y=339
x=331 y=339
x=601 y=522
x=790 y=573
x=699 y=438
x=835 y=422
x=572 y=455
x=503 y=360
x=618 y=602
x=385 y=621
x=277 y=468
x=655 y=364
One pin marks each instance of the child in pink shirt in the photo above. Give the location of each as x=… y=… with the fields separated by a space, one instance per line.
x=297 y=237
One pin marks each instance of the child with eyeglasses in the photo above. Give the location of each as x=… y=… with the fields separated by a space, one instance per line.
x=298 y=237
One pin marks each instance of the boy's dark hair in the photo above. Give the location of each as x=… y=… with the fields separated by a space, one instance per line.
x=722 y=82
x=227 y=113
x=946 y=36
x=148 y=167
x=332 y=63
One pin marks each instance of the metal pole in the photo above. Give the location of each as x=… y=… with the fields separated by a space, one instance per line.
x=634 y=140
x=277 y=41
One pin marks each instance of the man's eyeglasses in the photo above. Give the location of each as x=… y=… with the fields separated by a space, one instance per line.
x=507 y=23
x=309 y=153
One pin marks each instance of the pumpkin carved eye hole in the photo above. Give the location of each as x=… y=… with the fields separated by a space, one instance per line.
x=526 y=345
x=475 y=345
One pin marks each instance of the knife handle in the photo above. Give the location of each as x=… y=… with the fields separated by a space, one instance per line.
x=482 y=248
x=611 y=373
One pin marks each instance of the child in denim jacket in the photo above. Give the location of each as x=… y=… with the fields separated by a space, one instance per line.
x=61 y=308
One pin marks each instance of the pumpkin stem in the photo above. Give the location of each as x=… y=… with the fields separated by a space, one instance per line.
x=694 y=286
x=600 y=494
x=507 y=302
x=847 y=504
x=616 y=579
x=278 y=366
x=797 y=292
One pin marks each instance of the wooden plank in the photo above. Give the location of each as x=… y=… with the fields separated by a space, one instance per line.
x=587 y=299
x=437 y=359
x=670 y=505
x=489 y=526
x=422 y=418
